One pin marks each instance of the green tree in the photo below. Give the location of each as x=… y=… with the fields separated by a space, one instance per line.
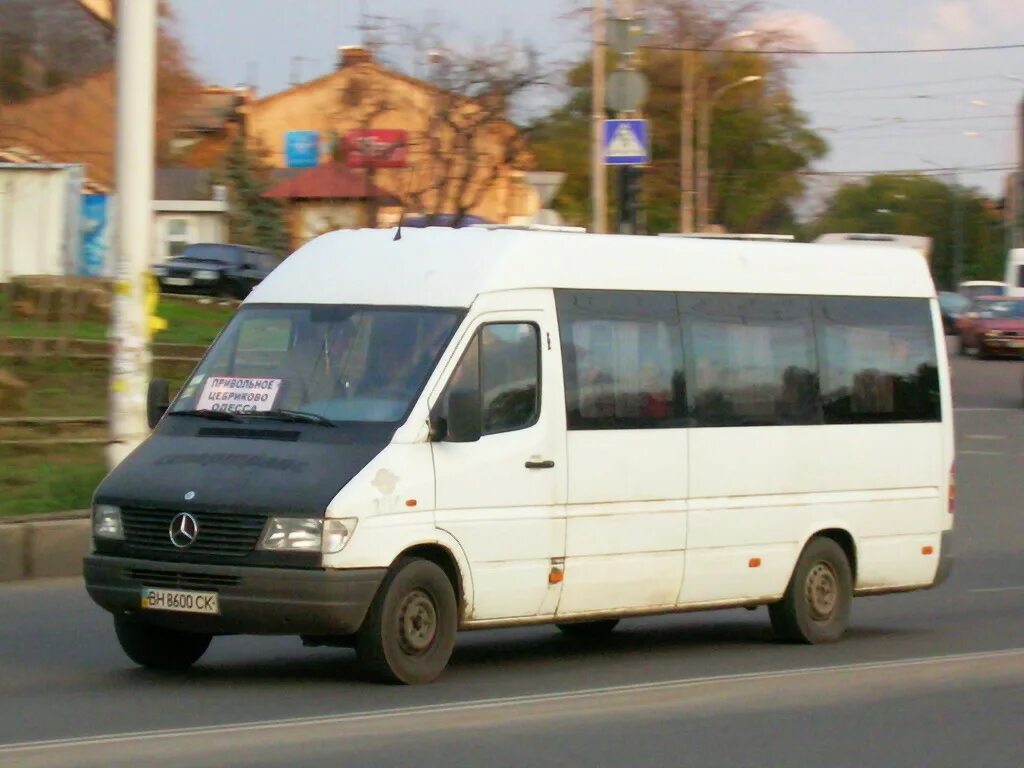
x=927 y=206
x=252 y=218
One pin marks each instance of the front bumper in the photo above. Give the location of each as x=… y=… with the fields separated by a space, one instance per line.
x=269 y=601
x=1003 y=345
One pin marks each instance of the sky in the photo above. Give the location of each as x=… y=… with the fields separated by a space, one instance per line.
x=927 y=111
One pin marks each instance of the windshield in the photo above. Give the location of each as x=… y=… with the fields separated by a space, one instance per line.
x=215 y=254
x=343 y=363
x=977 y=290
x=996 y=309
x=952 y=302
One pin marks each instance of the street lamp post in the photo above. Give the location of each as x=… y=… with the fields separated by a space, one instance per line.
x=703 y=145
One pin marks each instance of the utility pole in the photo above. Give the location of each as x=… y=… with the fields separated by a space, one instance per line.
x=598 y=175
x=1017 y=223
x=688 y=75
x=958 y=233
x=136 y=89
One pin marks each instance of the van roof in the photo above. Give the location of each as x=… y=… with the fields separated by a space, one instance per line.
x=450 y=267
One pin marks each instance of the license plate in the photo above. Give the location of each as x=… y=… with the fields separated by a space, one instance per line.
x=179 y=600
x=1016 y=344
x=178 y=280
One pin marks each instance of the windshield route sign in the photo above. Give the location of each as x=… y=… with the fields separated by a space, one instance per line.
x=232 y=394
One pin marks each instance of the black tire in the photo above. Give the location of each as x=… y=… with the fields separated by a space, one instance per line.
x=589 y=630
x=160 y=648
x=409 y=633
x=816 y=605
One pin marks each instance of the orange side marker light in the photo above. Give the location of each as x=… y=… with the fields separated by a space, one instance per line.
x=927 y=550
x=410 y=502
x=754 y=562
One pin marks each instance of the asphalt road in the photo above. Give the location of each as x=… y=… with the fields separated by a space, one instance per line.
x=930 y=678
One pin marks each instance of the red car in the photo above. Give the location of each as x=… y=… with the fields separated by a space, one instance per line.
x=993 y=325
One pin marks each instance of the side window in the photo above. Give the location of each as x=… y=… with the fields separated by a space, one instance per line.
x=502 y=364
x=623 y=359
x=878 y=361
x=751 y=359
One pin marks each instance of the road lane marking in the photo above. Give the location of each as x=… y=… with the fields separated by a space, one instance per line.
x=465 y=707
x=985 y=437
x=980 y=453
x=987 y=410
x=998 y=589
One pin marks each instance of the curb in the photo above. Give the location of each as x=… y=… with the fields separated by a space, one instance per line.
x=44 y=546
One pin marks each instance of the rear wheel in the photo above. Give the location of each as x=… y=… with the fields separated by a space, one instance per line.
x=409 y=632
x=816 y=605
x=158 y=647
x=589 y=630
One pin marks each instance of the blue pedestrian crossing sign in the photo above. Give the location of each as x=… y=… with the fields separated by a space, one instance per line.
x=626 y=142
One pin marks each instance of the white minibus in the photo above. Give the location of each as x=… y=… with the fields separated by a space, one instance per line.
x=399 y=437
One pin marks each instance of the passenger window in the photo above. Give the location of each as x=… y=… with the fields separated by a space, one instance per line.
x=623 y=359
x=502 y=363
x=878 y=360
x=751 y=360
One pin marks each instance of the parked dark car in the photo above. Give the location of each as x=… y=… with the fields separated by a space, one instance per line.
x=993 y=325
x=217 y=269
x=951 y=306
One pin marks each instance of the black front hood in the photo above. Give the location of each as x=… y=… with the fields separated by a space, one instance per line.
x=256 y=467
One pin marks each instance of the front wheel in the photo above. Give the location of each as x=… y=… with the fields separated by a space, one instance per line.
x=816 y=605
x=409 y=632
x=160 y=648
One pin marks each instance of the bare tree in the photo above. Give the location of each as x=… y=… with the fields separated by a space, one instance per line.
x=463 y=140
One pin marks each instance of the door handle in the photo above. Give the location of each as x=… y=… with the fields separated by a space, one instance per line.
x=546 y=464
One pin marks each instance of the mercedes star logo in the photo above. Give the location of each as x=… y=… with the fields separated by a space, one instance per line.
x=184 y=530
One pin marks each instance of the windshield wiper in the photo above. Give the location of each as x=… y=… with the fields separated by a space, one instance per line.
x=294 y=416
x=215 y=415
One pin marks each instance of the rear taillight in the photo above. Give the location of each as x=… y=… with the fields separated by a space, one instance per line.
x=952 y=489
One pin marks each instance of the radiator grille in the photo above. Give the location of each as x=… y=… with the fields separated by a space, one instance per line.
x=230 y=534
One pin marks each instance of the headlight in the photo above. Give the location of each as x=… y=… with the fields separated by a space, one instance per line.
x=307 y=534
x=106 y=522
x=205 y=274
x=159 y=271
x=301 y=534
x=993 y=333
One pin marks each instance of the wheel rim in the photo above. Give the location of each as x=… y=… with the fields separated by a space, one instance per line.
x=417 y=622
x=822 y=589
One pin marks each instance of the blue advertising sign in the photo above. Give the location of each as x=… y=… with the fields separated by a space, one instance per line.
x=626 y=142
x=301 y=149
x=95 y=226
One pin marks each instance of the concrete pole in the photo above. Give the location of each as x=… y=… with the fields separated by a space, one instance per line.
x=688 y=75
x=598 y=171
x=703 y=172
x=1017 y=227
x=136 y=97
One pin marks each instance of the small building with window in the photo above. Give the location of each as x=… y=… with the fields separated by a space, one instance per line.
x=187 y=209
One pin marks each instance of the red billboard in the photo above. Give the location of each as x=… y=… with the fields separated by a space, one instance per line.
x=376 y=148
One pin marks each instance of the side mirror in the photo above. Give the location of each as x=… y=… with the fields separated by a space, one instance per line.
x=463 y=416
x=158 y=398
